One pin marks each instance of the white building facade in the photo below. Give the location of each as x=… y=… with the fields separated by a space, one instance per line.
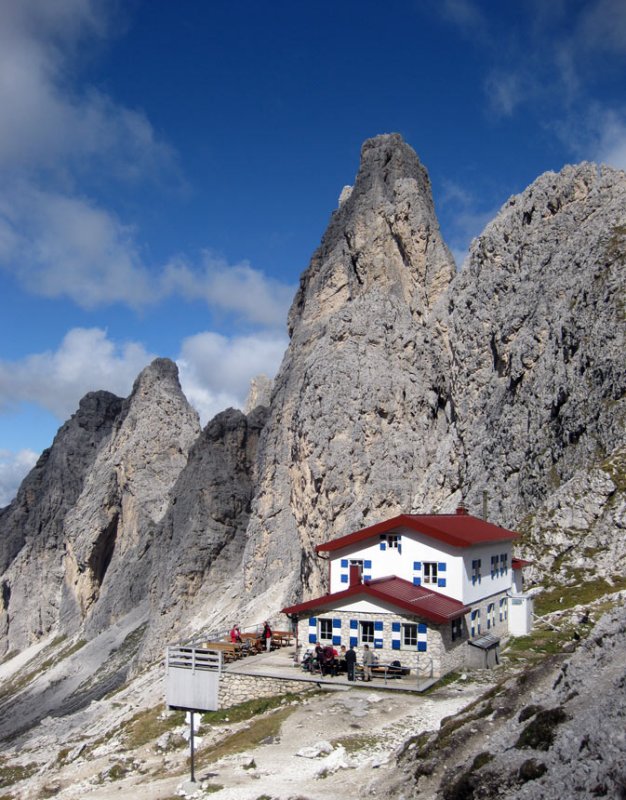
x=417 y=589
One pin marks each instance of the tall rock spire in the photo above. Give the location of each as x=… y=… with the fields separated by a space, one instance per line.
x=384 y=237
x=361 y=383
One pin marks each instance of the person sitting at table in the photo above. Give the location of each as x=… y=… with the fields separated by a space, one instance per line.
x=235 y=634
x=341 y=659
x=329 y=661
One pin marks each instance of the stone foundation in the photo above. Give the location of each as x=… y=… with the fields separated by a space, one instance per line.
x=235 y=689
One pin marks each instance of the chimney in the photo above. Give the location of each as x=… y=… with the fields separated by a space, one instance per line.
x=461 y=509
x=354 y=575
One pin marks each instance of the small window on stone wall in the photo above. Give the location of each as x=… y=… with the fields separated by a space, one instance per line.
x=326 y=630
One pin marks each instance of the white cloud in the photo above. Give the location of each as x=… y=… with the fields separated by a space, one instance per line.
x=13 y=469
x=85 y=361
x=64 y=246
x=237 y=289
x=610 y=146
x=47 y=123
x=215 y=371
x=504 y=92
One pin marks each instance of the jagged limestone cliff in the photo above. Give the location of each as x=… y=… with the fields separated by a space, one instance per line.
x=83 y=519
x=357 y=397
x=405 y=387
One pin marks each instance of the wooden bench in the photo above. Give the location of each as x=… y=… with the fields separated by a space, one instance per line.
x=282 y=638
x=231 y=651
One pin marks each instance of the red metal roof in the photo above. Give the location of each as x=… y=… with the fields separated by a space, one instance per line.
x=396 y=591
x=520 y=563
x=459 y=530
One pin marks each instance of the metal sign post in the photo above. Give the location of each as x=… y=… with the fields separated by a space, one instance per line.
x=193 y=776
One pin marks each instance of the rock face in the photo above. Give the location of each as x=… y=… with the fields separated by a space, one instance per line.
x=32 y=526
x=80 y=527
x=109 y=530
x=199 y=543
x=536 y=334
x=357 y=395
x=553 y=731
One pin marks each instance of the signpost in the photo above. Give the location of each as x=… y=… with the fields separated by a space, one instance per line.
x=192 y=676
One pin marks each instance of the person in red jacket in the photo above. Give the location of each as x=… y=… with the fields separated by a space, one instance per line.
x=267 y=635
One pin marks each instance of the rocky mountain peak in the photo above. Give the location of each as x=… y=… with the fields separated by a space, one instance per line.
x=383 y=238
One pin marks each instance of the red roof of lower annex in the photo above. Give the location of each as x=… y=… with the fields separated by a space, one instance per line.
x=396 y=591
x=458 y=530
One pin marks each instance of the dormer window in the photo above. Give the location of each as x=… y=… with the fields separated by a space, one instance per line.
x=393 y=541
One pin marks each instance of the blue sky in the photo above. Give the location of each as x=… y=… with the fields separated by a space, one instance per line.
x=167 y=168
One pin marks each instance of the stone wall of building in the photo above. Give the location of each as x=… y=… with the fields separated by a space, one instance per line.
x=442 y=655
x=235 y=689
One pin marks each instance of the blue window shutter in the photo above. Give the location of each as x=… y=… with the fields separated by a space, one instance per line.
x=383 y=545
x=421 y=627
x=441 y=582
x=344 y=579
x=395 y=645
x=378 y=625
x=312 y=621
x=344 y=563
x=354 y=641
x=336 y=639
x=395 y=626
x=441 y=566
x=422 y=646
x=336 y=623
x=417 y=566
x=378 y=643
x=367 y=577
x=312 y=638
x=367 y=565
x=354 y=624
x=417 y=581
x=399 y=547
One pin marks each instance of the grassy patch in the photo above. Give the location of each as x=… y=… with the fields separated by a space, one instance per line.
x=562 y=597
x=251 y=708
x=148 y=725
x=356 y=743
x=451 y=677
x=13 y=773
x=246 y=739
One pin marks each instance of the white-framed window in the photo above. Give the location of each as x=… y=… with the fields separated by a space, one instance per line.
x=325 y=630
x=494 y=566
x=393 y=540
x=409 y=634
x=475 y=623
x=504 y=563
x=366 y=629
x=429 y=572
x=491 y=615
x=457 y=628
x=476 y=563
x=504 y=609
